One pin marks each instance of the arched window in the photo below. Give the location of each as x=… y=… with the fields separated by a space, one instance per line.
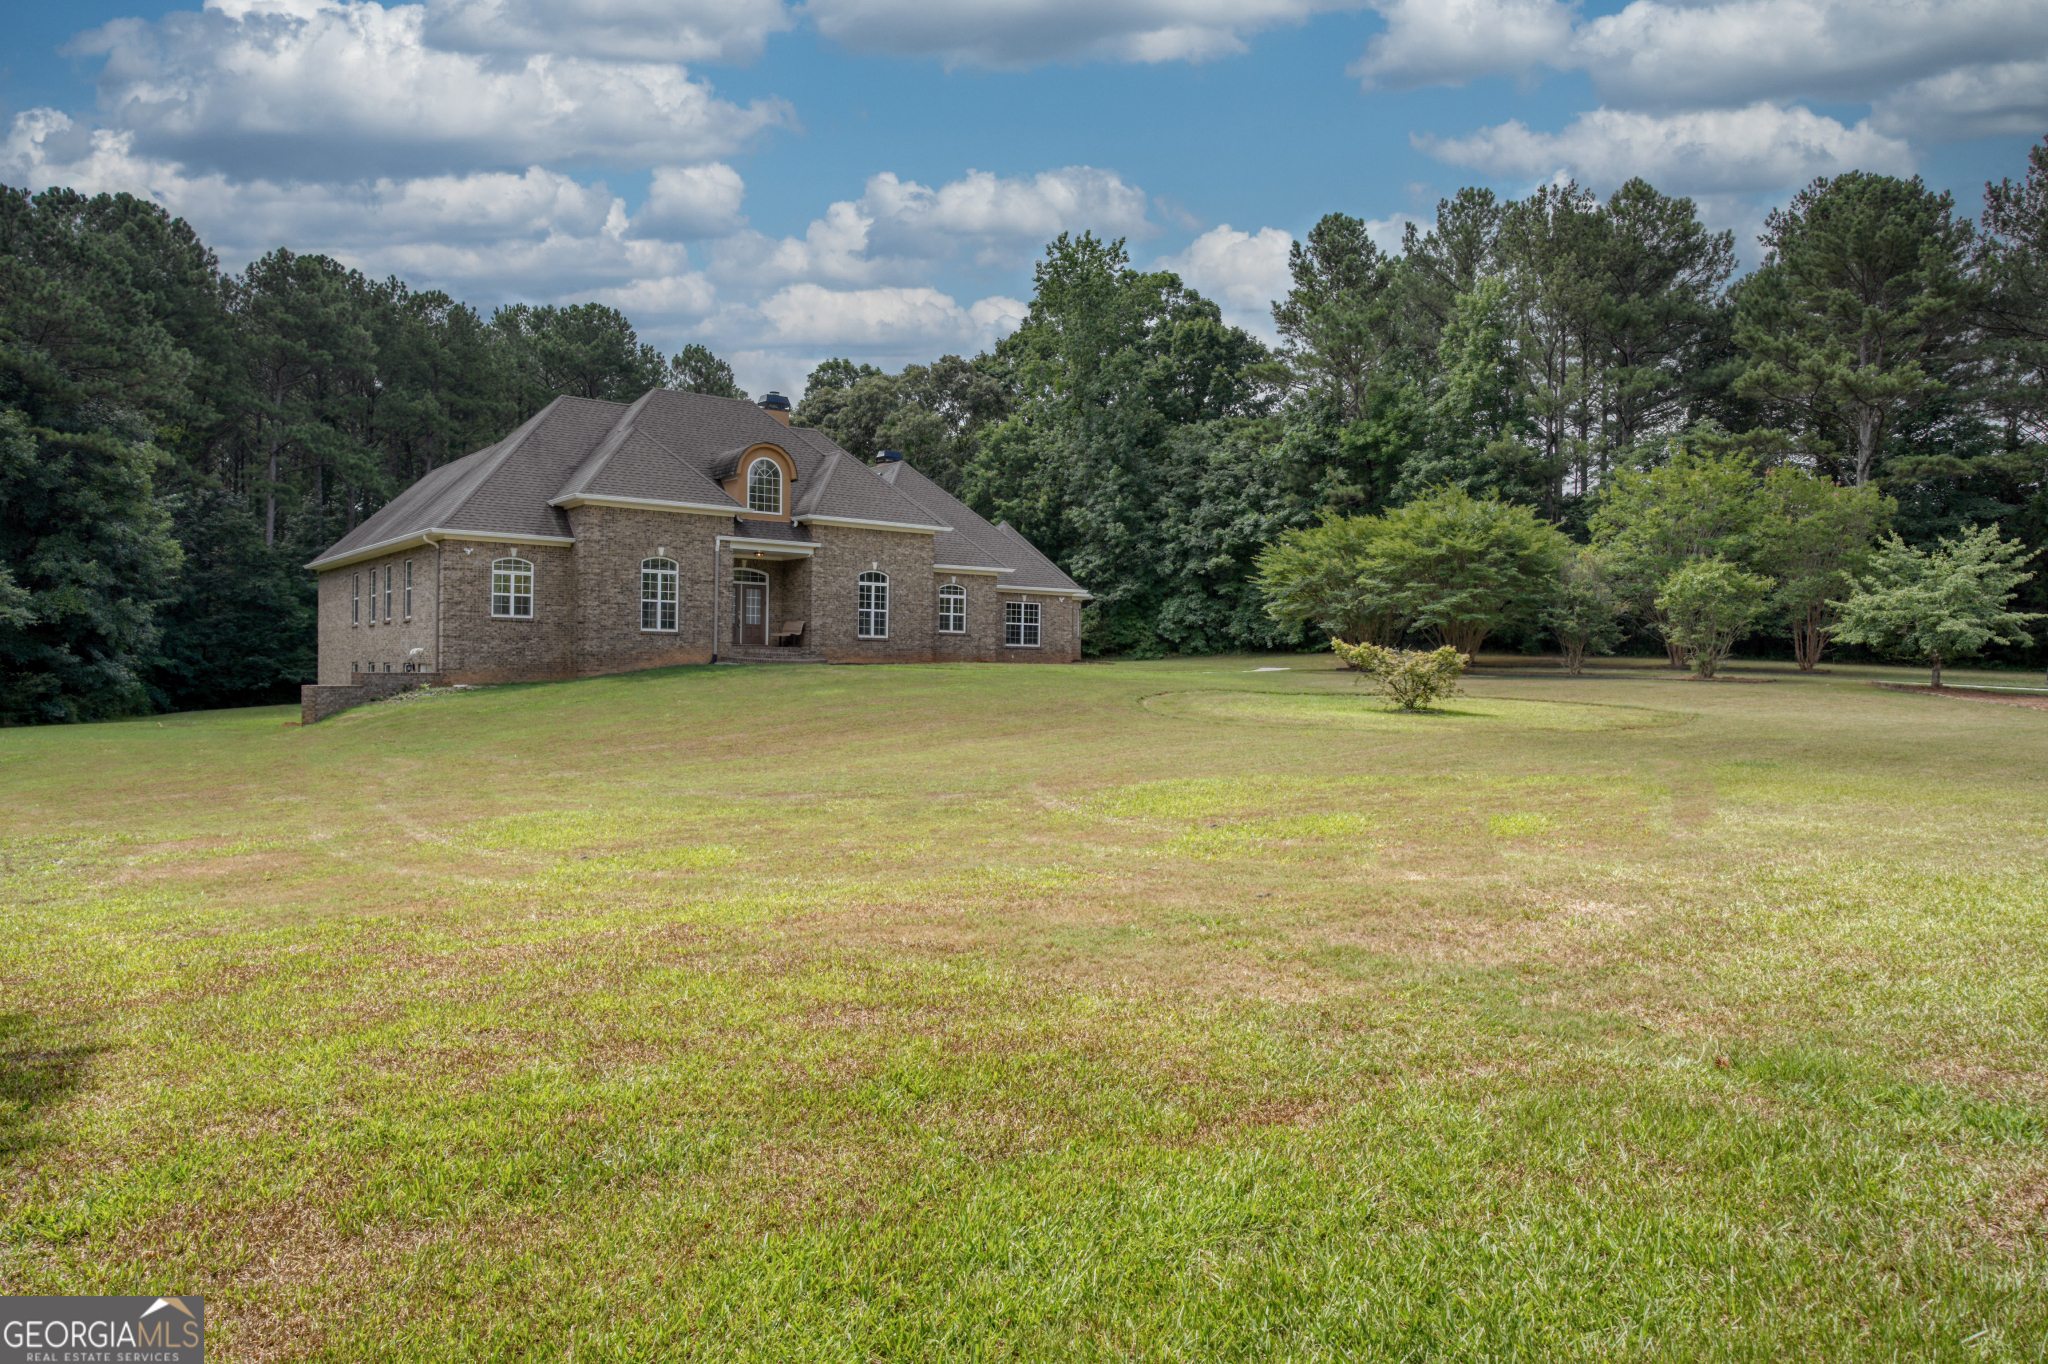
x=658 y=594
x=764 y=487
x=512 y=589
x=952 y=610
x=874 y=606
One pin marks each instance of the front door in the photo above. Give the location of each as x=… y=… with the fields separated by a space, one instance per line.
x=752 y=613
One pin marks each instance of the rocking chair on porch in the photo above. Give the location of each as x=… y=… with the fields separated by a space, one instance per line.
x=788 y=632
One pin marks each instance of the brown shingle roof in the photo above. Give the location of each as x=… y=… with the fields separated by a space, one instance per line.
x=668 y=448
x=500 y=490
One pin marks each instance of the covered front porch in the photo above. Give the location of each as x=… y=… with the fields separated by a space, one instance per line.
x=764 y=598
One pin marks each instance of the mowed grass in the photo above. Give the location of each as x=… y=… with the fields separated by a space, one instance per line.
x=1166 y=1011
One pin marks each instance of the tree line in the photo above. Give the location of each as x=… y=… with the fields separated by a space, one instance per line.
x=176 y=440
x=1595 y=362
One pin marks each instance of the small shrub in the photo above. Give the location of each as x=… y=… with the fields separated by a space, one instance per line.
x=1411 y=680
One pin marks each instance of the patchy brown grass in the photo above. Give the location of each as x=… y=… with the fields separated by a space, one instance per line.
x=871 y=1012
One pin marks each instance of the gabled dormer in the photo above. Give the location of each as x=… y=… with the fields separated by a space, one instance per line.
x=760 y=477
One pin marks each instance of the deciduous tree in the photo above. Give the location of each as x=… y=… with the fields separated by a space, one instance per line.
x=1709 y=605
x=1939 y=605
x=1813 y=538
x=1584 y=615
x=1652 y=521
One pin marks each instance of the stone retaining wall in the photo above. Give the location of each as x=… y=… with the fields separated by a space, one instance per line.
x=317 y=703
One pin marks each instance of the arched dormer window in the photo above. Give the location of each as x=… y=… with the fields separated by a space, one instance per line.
x=658 y=594
x=764 y=487
x=874 y=606
x=512 y=589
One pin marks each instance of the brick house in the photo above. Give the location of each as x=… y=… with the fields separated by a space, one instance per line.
x=604 y=537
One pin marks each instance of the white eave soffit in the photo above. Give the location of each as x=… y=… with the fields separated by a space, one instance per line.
x=856 y=524
x=599 y=500
x=432 y=536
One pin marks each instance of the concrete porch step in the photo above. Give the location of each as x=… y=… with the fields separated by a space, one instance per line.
x=756 y=653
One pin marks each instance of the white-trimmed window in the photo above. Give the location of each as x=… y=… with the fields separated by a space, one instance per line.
x=952 y=610
x=658 y=594
x=355 y=601
x=764 y=487
x=874 y=606
x=408 y=589
x=1020 y=624
x=387 y=594
x=512 y=589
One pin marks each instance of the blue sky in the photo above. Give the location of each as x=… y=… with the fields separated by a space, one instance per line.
x=872 y=178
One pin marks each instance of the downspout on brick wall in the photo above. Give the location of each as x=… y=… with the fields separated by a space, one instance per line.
x=439 y=612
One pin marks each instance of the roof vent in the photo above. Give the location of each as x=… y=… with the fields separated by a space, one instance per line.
x=888 y=457
x=776 y=406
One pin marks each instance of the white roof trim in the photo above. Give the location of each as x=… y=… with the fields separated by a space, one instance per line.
x=601 y=500
x=1076 y=592
x=790 y=547
x=872 y=525
x=433 y=535
x=969 y=568
x=509 y=537
x=420 y=538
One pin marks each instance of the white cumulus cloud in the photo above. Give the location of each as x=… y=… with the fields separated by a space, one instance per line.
x=1932 y=70
x=1245 y=272
x=329 y=89
x=1996 y=99
x=686 y=203
x=1017 y=33
x=631 y=30
x=1659 y=53
x=899 y=230
x=1453 y=42
x=1762 y=147
x=886 y=318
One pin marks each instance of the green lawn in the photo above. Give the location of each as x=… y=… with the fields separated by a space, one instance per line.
x=1138 y=1011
